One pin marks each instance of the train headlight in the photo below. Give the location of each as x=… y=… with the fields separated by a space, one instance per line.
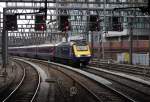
x=78 y=55
x=88 y=55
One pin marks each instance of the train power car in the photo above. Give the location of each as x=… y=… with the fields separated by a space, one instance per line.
x=72 y=53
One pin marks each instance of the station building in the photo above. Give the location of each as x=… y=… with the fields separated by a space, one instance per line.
x=118 y=29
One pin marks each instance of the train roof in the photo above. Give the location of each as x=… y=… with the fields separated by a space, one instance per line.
x=33 y=46
x=65 y=43
x=68 y=43
x=49 y=45
x=72 y=43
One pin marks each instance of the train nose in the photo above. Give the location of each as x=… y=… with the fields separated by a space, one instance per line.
x=85 y=55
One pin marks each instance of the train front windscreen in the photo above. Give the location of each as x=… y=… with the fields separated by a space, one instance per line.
x=82 y=48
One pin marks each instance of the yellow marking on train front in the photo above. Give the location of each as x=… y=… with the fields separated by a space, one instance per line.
x=80 y=53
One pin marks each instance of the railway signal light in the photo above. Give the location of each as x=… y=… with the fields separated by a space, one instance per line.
x=64 y=24
x=94 y=24
x=11 y=22
x=40 y=22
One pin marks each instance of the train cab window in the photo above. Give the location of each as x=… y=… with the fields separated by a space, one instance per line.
x=82 y=48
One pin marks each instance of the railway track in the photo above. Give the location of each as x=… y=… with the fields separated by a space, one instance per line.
x=93 y=89
x=132 y=69
x=26 y=89
x=73 y=85
x=64 y=83
x=7 y=89
x=137 y=90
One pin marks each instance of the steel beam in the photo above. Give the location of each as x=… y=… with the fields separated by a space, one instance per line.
x=66 y=8
x=71 y=2
x=4 y=42
x=61 y=8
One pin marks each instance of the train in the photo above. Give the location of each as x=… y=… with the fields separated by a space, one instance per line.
x=71 y=53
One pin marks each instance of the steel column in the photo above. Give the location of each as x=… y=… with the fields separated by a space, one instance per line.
x=4 y=42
